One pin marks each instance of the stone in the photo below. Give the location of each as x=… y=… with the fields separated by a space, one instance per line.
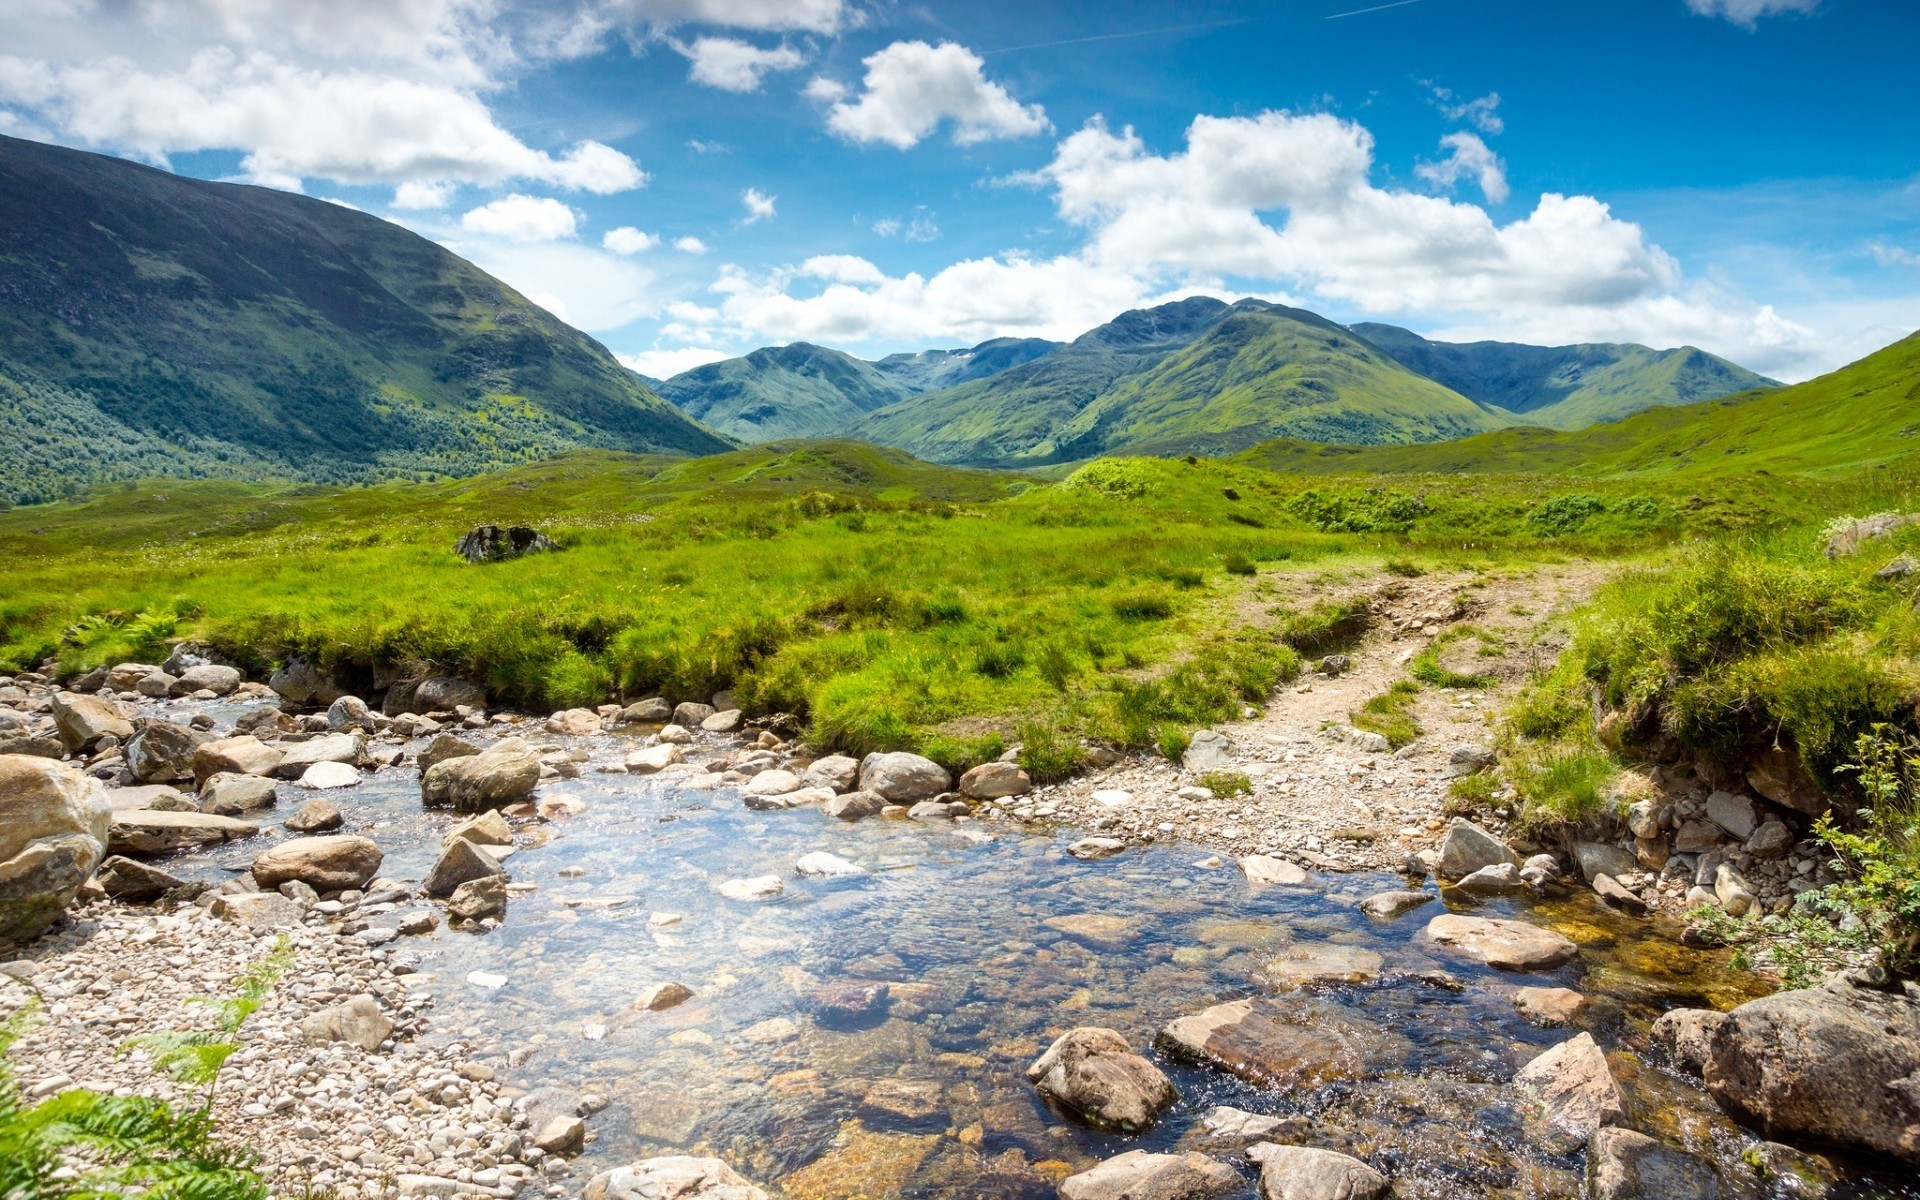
x=1651 y=853
x=562 y=1135
x=1139 y=1175
x=1550 y=1006
x=1322 y=964
x=435 y=693
x=1094 y=1074
x=654 y=759
x=995 y=781
x=503 y=774
x=461 y=862
x=1733 y=892
x=267 y=724
x=1643 y=819
x=332 y=863
x=1576 y=1089
x=836 y=771
x=347 y=748
x=1603 y=858
x=1835 y=1065
x=477 y=899
x=1686 y=1035
x=160 y=797
x=157 y=686
x=723 y=722
x=1306 y=1173
x=161 y=752
x=135 y=882
x=54 y=830
x=126 y=676
x=1470 y=759
x=1102 y=931
x=676 y=735
x=677 y=1177
x=1771 y=840
x=1287 y=1041
x=328 y=776
x=663 y=996
x=821 y=863
x=1210 y=750
x=242 y=755
x=651 y=711
x=237 y=795
x=304 y=683
x=1497 y=880
x=358 y=1021
x=83 y=720
x=443 y=747
x=1619 y=895
x=689 y=714
x=1734 y=813
x=315 y=816
x=349 y=714
x=772 y=783
x=149 y=831
x=207 y=677
x=852 y=806
x=938 y=810
x=1388 y=906
x=1625 y=1165
x=1696 y=837
x=851 y=1001
x=484 y=829
x=758 y=887
x=1850 y=538
x=492 y=543
x=1114 y=798
x=32 y=746
x=1264 y=870
x=1231 y=1124
x=1503 y=945
x=1088 y=849
x=1778 y=774
x=575 y=722
x=1791 y=1172
x=258 y=910
x=901 y=778
x=1467 y=847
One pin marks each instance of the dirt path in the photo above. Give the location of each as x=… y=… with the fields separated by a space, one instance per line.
x=1334 y=804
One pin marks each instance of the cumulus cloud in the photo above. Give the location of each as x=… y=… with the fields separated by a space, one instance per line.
x=689 y=245
x=911 y=87
x=816 y=16
x=1467 y=158
x=733 y=65
x=628 y=240
x=423 y=195
x=665 y=364
x=1749 y=12
x=758 y=204
x=520 y=218
x=585 y=287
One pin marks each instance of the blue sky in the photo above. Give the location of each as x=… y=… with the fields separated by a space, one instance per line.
x=687 y=179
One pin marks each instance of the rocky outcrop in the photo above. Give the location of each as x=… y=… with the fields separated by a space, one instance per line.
x=1304 y=1173
x=325 y=864
x=1138 y=1175
x=677 y=1177
x=903 y=778
x=53 y=833
x=502 y=774
x=1095 y=1074
x=491 y=543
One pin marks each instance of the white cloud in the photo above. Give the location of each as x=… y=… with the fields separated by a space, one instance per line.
x=1749 y=12
x=758 y=204
x=423 y=195
x=733 y=65
x=817 y=16
x=519 y=218
x=1483 y=114
x=911 y=87
x=1467 y=158
x=1893 y=256
x=919 y=228
x=689 y=245
x=665 y=364
x=628 y=240
x=588 y=288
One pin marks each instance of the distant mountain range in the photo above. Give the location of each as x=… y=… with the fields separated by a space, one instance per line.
x=152 y=324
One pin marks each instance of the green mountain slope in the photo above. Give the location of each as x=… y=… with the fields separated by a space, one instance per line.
x=777 y=392
x=264 y=334
x=1863 y=415
x=930 y=370
x=1567 y=387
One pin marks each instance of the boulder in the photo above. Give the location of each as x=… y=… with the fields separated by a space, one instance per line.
x=723 y=722
x=654 y=759
x=676 y=1177
x=1138 y=1175
x=461 y=862
x=1686 y=1034
x=1496 y=880
x=492 y=543
x=852 y=806
x=267 y=724
x=326 y=776
x=1836 y=1065
x=1467 y=847
x=53 y=833
x=157 y=796
x=1210 y=750
x=1734 y=813
x=1779 y=775
x=1732 y=890
x=1095 y=1074
x=1849 y=538
x=207 y=677
x=1772 y=840
x=1388 y=906
x=1470 y=759
x=484 y=829
x=161 y=751
x=561 y=1135
x=1090 y=849
x=348 y=748
x=652 y=711
x=835 y=771
x=359 y=1021
x=237 y=795
x=574 y=722
x=83 y=720
x=771 y=783
x=1696 y=837
x=332 y=863
x=1305 y=1173
x=1618 y=895
x=1503 y=945
x=1550 y=1005
x=1282 y=1042
x=126 y=676
x=676 y=735
x=33 y=747
x=995 y=781
x=435 y=693
x=304 y=683
x=1625 y=1165
x=688 y=714
x=443 y=747
x=903 y=778
x=662 y=996
x=258 y=910
x=350 y=714
x=1575 y=1090
x=1264 y=870
x=243 y=755
x=315 y=816
x=151 y=831
x=758 y=887
x=504 y=773
x=477 y=899
x=1603 y=858
x=157 y=686
x=135 y=882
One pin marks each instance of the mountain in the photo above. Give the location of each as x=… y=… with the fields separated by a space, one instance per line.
x=930 y=370
x=778 y=392
x=1865 y=414
x=155 y=324
x=1567 y=387
x=1194 y=376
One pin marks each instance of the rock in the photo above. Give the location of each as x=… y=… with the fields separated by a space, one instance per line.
x=326 y=864
x=157 y=686
x=1102 y=931
x=1282 y=1042
x=1209 y=750
x=238 y=795
x=1088 y=849
x=1625 y=1165
x=477 y=899
x=1232 y=1124
x=1264 y=870
x=1643 y=819
x=148 y=831
x=1686 y=1034
x=1847 y=540
x=1114 y=798
x=359 y=1021
x=1138 y=1175
x=315 y=816
x=267 y=724
x=435 y=693
x=1603 y=858
x=1576 y=1089
x=1550 y=1006
x=663 y=996
x=1619 y=895
x=126 y=676
x=835 y=771
x=1651 y=853
x=258 y=910
x=995 y=781
x=1467 y=847
x=654 y=759
x=1771 y=840
x=350 y=714
x=1503 y=945
x=651 y=711
x=326 y=776
x=1696 y=837
x=491 y=543
x=1093 y=1073
x=852 y=806
x=303 y=683
x=821 y=863
x=1836 y=1065
x=461 y=862
x=1304 y=1173
x=54 y=825
x=207 y=677
x=1791 y=1172
x=1779 y=775
x=758 y=887
x=1322 y=964
x=938 y=810
x=1733 y=813
x=903 y=778
x=852 y=1001
x=445 y=746
x=771 y=783
x=688 y=714
x=346 y=748
x=1388 y=906
x=504 y=773
x=135 y=882
x=1733 y=892
x=161 y=752
x=676 y=735
x=485 y=829
x=677 y=1177
x=1470 y=759
x=726 y=721
x=83 y=720
x=562 y=1135
x=1496 y=880
x=31 y=746
x=243 y=755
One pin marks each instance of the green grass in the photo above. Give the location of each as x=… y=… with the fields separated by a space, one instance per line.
x=1227 y=784
x=1390 y=715
x=1428 y=669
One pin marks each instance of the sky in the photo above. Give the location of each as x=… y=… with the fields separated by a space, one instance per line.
x=688 y=179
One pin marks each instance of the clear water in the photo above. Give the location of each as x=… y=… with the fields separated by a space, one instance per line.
x=925 y=1095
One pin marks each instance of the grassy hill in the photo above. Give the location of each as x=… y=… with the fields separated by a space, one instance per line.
x=156 y=324
x=777 y=392
x=1566 y=387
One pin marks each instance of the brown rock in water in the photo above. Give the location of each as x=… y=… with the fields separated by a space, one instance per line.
x=1576 y=1089
x=1094 y=1073
x=1625 y=1165
x=504 y=773
x=1285 y=1041
x=1304 y=1173
x=1503 y=945
x=1550 y=1005
x=674 y=1177
x=1686 y=1034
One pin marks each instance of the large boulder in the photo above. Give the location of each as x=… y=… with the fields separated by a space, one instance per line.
x=1625 y=1165
x=1138 y=1175
x=326 y=864
x=676 y=1177
x=903 y=778
x=995 y=781
x=304 y=683
x=835 y=771
x=443 y=747
x=237 y=795
x=135 y=882
x=148 y=831
x=1574 y=1089
x=1094 y=1073
x=83 y=720
x=207 y=677
x=346 y=748
x=1778 y=774
x=162 y=751
x=245 y=755
x=124 y=677
x=1838 y=1064
x=502 y=774
x=1305 y=1173
x=435 y=693
x=53 y=833
x=491 y=543
x=1467 y=848
x=1503 y=945
x=1686 y=1034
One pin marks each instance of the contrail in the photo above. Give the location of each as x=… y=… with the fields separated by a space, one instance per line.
x=1114 y=37
x=1361 y=12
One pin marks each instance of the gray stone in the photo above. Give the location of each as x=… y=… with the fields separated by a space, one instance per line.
x=304 y=683
x=1265 y=870
x=1138 y=1175
x=161 y=752
x=1503 y=945
x=903 y=778
x=677 y=1177
x=157 y=686
x=483 y=829
x=653 y=711
x=1470 y=759
x=83 y=720
x=651 y=760
x=332 y=863
x=445 y=746
x=1625 y=1165
x=347 y=748
x=53 y=833
x=723 y=722
x=350 y=714
x=504 y=773
x=1733 y=891
x=258 y=910
x=477 y=899
x=315 y=816
x=835 y=771
x=492 y=543
x=1643 y=819
x=135 y=882
x=461 y=862
x=1095 y=1074
x=852 y=806
x=358 y=1021
x=1771 y=840
x=1306 y=1173
x=238 y=795
x=241 y=755
x=1734 y=813
x=1695 y=837
x=1498 y=879
x=1090 y=848
x=1210 y=750
x=821 y=863
x=1603 y=858
x=1619 y=895
x=1467 y=847
x=207 y=677
x=689 y=714
x=1387 y=906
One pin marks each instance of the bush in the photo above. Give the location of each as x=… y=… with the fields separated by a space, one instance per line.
x=1561 y=784
x=1373 y=510
x=1173 y=742
x=1881 y=853
x=1566 y=514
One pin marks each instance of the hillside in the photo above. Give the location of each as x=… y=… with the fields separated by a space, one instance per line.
x=1567 y=387
x=1198 y=376
x=930 y=370
x=1863 y=415
x=151 y=323
x=777 y=392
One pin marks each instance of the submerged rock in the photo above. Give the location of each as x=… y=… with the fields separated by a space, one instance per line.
x=1138 y=1175
x=1304 y=1173
x=1625 y=1165
x=1503 y=945
x=1283 y=1042
x=1265 y=870
x=150 y=831
x=1094 y=1073
x=1388 y=906
x=461 y=862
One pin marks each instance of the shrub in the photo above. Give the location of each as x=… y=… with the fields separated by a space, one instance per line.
x=1566 y=514
x=1881 y=852
x=1472 y=793
x=1117 y=478
x=1226 y=783
x=1173 y=742
x=1373 y=510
